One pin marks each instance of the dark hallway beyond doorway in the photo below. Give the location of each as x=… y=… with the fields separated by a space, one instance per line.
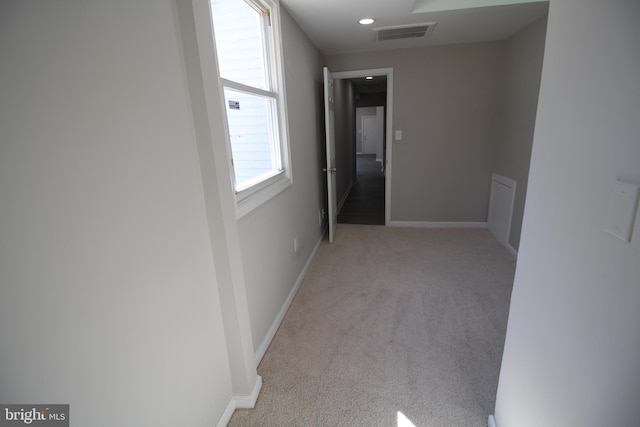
x=365 y=203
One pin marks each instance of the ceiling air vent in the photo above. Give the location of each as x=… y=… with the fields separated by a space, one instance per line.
x=410 y=31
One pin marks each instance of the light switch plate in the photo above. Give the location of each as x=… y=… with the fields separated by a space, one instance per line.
x=622 y=210
x=398 y=135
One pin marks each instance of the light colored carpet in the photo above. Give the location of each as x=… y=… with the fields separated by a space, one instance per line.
x=387 y=320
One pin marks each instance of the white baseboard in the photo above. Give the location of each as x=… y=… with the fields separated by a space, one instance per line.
x=492 y=421
x=227 y=414
x=433 y=224
x=262 y=348
x=249 y=401
x=240 y=402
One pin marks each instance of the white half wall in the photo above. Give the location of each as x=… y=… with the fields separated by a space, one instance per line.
x=501 y=198
x=524 y=56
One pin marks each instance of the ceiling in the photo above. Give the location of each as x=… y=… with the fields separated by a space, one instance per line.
x=333 y=24
x=364 y=87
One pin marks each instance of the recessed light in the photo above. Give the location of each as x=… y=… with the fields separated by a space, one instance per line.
x=366 y=21
x=369 y=78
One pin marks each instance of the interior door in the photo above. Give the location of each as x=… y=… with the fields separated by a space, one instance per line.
x=331 y=153
x=369 y=134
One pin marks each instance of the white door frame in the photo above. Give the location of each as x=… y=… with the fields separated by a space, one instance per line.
x=339 y=75
x=330 y=142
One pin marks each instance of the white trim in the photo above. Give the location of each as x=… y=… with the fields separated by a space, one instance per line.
x=205 y=96
x=249 y=401
x=271 y=333
x=250 y=202
x=227 y=414
x=246 y=199
x=344 y=198
x=436 y=224
x=249 y=198
x=239 y=87
x=280 y=79
x=389 y=118
x=511 y=250
x=354 y=74
x=492 y=421
x=511 y=185
x=240 y=402
x=258 y=184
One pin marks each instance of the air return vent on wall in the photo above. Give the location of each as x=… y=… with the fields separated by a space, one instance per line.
x=397 y=32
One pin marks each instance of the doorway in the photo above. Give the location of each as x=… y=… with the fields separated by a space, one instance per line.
x=367 y=201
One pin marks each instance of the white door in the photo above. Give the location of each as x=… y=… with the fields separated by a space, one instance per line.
x=331 y=153
x=369 y=134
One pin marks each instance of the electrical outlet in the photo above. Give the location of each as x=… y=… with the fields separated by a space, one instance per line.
x=295 y=244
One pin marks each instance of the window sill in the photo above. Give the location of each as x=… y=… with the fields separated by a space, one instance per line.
x=249 y=199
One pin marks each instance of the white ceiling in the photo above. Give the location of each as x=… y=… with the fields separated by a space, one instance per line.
x=333 y=24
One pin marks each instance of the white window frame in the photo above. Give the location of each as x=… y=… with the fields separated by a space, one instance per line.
x=250 y=197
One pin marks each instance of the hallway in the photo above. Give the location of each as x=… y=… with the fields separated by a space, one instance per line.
x=390 y=322
x=365 y=203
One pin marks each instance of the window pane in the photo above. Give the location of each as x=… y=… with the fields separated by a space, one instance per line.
x=239 y=42
x=252 y=132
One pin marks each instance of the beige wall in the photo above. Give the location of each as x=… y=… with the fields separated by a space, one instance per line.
x=465 y=111
x=447 y=103
x=572 y=347
x=266 y=234
x=524 y=53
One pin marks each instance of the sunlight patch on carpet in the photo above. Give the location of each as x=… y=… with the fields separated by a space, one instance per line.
x=403 y=421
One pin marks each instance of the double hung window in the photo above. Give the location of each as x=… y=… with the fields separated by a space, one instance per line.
x=249 y=62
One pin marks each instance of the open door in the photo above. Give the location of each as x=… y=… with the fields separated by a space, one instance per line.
x=331 y=153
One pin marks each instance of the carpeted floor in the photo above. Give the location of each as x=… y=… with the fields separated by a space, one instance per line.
x=390 y=321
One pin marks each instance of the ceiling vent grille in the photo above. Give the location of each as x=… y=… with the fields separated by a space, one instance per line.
x=397 y=32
